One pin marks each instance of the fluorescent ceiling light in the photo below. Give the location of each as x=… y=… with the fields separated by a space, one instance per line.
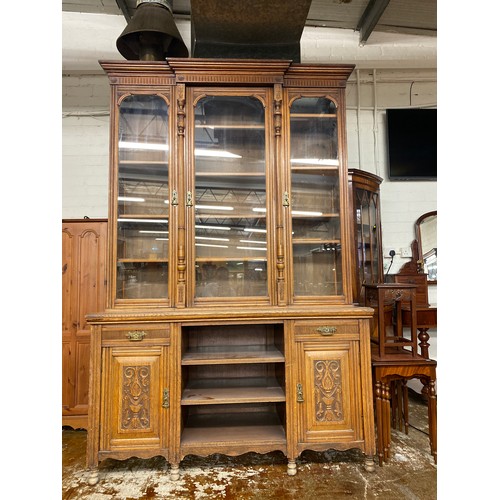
x=221 y=228
x=214 y=207
x=252 y=248
x=305 y=212
x=130 y=198
x=258 y=269
x=147 y=231
x=254 y=241
x=263 y=210
x=143 y=145
x=211 y=239
x=215 y=152
x=161 y=239
x=213 y=246
x=154 y=221
x=315 y=161
x=254 y=230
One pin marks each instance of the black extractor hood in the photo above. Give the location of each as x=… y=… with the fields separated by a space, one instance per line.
x=256 y=29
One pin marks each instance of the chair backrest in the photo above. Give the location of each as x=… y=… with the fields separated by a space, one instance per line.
x=391 y=301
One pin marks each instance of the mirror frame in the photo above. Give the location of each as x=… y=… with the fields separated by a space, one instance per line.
x=419 y=237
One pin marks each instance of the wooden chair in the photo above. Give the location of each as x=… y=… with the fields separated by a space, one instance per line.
x=395 y=359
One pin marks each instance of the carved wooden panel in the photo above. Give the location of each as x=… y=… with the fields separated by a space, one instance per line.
x=328 y=391
x=134 y=379
x=136 y=397
x=331 y=391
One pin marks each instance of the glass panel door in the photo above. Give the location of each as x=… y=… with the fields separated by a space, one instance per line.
x=230 y=197
x=367 y=237
x=315 y=210
x=143 y=211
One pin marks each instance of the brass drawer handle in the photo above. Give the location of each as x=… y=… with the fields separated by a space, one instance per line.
x=326 y=330
x=136 y=335
x=300 y=394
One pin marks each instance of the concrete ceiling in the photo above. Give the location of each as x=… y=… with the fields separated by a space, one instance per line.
x=369 y=33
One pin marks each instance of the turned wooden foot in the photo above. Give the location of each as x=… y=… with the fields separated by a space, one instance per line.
x=174 y=473
x=369 y=463
x=93 y=478
x=292 y=468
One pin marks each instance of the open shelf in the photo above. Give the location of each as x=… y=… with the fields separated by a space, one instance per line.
x=230 y=354
x=233 y=428
x=232 y=395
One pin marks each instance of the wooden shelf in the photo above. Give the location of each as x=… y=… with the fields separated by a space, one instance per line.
x=232 y=259
x=140 y=217
x=312 y=241
x=144 y=162
x=221 y=429
x=232 y=126
x=231 y=395
x=310 y=167
x=233 y=355
x=147 y=261
x=312 y=115
x=230 y=174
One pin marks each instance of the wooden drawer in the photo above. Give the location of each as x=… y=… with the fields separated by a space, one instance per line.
x=324 y=329
x=416 y=279
x=136 y=334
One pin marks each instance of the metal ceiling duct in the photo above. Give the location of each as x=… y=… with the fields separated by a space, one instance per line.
x=254 y=29
x=151 y=34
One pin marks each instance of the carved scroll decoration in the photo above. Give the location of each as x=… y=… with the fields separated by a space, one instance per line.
x=328 y=391
x=181 y=110
x=136 y=397
x=278 y=101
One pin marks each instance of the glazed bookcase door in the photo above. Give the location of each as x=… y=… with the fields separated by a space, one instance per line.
x=367 y=237
x=142 y=199
x=228 y=197
x=315 y=161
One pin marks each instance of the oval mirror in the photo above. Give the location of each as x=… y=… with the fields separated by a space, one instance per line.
x=426 y=232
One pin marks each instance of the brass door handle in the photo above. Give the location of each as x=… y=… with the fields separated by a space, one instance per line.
x=175 y=199
x=286 y=199
x=300 y=394
x=166 y=398
x=326 y=330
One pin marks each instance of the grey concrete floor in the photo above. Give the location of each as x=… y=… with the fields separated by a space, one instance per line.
x=410 y=474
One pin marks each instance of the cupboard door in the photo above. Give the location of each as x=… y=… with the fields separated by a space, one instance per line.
x=228 y=200
x=83 y=292
x=328 y=391
x=136 y=399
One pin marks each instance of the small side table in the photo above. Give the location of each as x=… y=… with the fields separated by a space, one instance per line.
x=401 y=366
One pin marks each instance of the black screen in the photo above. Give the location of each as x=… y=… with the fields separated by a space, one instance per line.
x=412 y=136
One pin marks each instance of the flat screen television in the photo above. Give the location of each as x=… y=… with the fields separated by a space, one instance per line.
x=412 y=144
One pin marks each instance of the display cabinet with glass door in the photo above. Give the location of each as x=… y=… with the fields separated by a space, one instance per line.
x=230 y=224
x=364 y=195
